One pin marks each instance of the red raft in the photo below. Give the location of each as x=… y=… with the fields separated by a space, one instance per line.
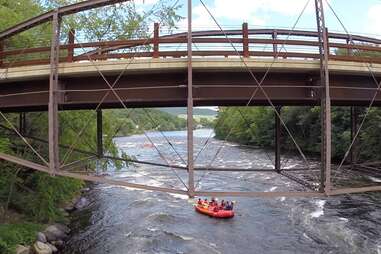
x=209 y=210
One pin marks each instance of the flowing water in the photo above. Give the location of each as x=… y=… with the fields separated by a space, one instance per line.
x=122 y=220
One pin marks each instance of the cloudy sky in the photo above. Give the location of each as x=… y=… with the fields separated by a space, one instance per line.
x=359 y=16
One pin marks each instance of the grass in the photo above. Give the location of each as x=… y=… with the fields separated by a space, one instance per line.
x=13 y=234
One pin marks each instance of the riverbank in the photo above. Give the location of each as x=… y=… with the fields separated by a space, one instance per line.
x=21 y=235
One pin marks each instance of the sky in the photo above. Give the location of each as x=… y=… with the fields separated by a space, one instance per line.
x=358 y=16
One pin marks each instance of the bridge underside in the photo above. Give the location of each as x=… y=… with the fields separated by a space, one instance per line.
x=168 y=87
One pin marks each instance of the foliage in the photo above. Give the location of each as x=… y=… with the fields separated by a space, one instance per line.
x=13 y=234
x=304 y=125
x=119 y=21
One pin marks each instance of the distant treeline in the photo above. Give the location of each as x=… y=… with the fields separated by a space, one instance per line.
x=255 y=126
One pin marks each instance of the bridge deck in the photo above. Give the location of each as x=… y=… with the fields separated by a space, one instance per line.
x=149 y=82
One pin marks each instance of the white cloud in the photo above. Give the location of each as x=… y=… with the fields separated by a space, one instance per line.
x=255 y=12
x=374 y=20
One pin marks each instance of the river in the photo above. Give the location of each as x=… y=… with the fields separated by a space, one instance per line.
x=121 y=220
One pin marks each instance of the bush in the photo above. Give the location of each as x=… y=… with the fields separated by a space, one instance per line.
x=13 y=234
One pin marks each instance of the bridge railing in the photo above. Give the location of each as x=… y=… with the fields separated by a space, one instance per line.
x=245 y=42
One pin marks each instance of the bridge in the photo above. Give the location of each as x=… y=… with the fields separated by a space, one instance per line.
x=244 y=67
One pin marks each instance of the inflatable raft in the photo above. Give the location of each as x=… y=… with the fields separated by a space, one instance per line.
x=209 y=210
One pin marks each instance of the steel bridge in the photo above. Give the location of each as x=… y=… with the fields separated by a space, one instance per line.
x=244 y=67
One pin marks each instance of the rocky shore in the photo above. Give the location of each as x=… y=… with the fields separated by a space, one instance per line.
x=53 y=237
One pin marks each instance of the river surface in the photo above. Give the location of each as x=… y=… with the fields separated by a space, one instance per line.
x=122 y=220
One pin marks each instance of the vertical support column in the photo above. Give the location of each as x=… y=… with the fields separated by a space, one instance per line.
x=190 y=105
x=275 y=45
x=70 y=49
x=277 y=139
x=99 y=134
x=349 y=43
x=245 y=39
x=1 y=51
x=53 y=101
x=354 y=114
x=325 y=184
x=22 y=123
x=156 y=40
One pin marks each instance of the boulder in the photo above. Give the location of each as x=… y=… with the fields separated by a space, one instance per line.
x=81 y=203
x=62 y=227
x=52 y=247
x=69 y=207
x=58 y=243
x=54 y=233
x=41 y=248
x=20 y=249
x=41 y=237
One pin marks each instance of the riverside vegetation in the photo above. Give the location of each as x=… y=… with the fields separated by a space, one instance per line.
x=256 y=126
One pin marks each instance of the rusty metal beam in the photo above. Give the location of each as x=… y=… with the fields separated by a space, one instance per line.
x=354 y=190
x=99 y=134
x=190 y=105
x=53 y=98
x=70 y=46
x=90 y=178
x=245 y=40
x=277 y=140
x=156 y=40
x=258 y=194
x=62 y=11
x=354 y=128
x=325 y=184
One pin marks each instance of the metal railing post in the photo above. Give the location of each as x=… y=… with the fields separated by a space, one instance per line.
x=54 y=162
x=156 y=40
x=70 y=49
x=245 y=40
x=275 y=45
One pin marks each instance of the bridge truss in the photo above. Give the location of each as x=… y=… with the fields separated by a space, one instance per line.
x=95 y=52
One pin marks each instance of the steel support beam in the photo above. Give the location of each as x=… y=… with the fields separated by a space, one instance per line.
x=53 y=98
x=156 y=34
x=22 y=123
x=190 y=105
x=354 y=128
x=70 y=46
x=1 y=51
x=277 y=140
x=62 y=11
x=275 y=46
x=245 y=39
x=99 y=134
x=325 y=184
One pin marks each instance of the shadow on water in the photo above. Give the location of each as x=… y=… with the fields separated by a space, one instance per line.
x=123 y=220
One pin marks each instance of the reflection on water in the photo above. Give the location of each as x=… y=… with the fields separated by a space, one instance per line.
x=123 y=220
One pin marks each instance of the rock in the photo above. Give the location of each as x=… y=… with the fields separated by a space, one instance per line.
x=20 y=249
x=85 y=190
x=52 y=247
x=54 y=233
x=58 y=243
x=63 y=228
x=41 y=237
x=69 y=208
x=42 y=248
x=81 y=203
